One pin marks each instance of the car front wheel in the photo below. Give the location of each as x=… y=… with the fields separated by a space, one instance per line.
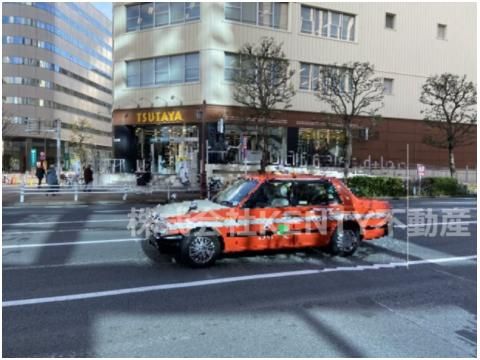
x=200 y=250
x=344 y=242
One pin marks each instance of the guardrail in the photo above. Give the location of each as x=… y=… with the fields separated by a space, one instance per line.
x=78 y=190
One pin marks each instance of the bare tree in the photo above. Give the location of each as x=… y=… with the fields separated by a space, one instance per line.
x=8 y=124
x=351 y=90
x=262 y=83
x=451 y=107
x=79 y=139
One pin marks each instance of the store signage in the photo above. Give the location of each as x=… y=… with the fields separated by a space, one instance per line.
x=420 y=170
x=33 y=157
x=152 y=117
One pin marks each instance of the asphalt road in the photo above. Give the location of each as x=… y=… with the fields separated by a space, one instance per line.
x=77 y=284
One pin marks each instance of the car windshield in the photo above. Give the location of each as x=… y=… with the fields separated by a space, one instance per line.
x=235 y=193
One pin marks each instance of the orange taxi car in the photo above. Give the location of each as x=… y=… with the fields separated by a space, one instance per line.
x=265 y=212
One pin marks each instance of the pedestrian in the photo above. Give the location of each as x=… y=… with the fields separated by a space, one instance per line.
x=88 y=178
x=40 y=173
x=183 y=174
x=52 y=179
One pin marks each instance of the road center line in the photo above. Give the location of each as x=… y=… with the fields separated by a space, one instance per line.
x=199 y=283
x=70 y=243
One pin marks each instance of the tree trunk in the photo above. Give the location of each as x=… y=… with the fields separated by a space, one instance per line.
x=451 y=162
x=264 y=160
x=347 y=147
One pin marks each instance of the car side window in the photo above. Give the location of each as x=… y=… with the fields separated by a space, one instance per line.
x=314 y=193
x=271 y=194
x=332 y=194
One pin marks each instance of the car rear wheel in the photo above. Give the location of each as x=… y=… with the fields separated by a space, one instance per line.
x=344 y=242
x=200 y=250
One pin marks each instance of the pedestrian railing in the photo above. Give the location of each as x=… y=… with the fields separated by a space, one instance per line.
x=78 y=190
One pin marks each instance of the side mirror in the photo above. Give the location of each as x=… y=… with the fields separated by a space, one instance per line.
x=193 y=206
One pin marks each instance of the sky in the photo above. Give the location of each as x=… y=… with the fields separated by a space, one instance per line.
x=104 y=7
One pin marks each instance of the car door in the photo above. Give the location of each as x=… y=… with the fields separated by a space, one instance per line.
x=269 y=217
x=318 y=202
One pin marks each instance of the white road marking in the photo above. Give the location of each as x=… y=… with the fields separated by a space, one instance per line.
x=437 y=223
x=434 y=209
x=48 y=231
x=93 y=229
x=23 y=207
x=64 y=222
x=109 y=263
x=89 y=242
x=469 y=201
x=227 y=280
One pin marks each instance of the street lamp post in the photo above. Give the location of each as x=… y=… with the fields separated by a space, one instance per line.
x=203 y=149
x=58 y=128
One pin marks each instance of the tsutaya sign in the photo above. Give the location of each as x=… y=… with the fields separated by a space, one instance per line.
x=152 y=117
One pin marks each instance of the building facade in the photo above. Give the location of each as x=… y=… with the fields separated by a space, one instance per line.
x=173 y=65
x=57 y=67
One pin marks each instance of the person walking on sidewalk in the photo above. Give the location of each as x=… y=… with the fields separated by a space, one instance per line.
x=52 y=179
x=40 y=173
x=88 y=178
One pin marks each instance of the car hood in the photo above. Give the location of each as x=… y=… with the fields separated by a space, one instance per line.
x=181 y=208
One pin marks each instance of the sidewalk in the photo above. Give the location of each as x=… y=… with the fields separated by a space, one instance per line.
x=11 y=196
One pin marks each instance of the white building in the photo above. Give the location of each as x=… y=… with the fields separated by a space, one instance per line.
x=172 y=57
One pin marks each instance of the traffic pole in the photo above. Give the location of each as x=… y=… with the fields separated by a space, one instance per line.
x=58 y=128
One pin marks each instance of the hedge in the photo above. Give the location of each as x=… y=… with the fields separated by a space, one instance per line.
x=438 y=186
x=375 y=186
x=367 y=186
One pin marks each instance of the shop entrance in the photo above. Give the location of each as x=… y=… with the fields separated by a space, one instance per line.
x=168 y=150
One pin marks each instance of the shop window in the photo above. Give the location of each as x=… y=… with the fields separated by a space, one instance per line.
x=324 y=145
x=173 y=146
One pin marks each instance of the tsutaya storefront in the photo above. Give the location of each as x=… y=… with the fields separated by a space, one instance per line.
x=163 y=140
x=157 y=140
